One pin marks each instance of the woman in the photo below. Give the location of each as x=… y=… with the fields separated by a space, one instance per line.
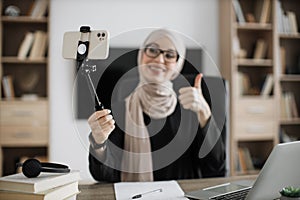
x=151 y=137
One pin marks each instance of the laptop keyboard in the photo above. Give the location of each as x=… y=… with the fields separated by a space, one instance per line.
x=237 y=195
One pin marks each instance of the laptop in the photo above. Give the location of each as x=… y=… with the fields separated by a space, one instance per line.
x=281 y=169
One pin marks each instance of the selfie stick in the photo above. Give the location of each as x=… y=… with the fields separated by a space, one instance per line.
x=82 y=62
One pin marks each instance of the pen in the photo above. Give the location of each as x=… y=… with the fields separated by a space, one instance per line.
x=143 y=194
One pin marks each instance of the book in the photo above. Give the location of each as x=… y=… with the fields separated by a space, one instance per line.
x=243 y=83
x=293 y=104
x=245 y=159
x=283 y=111
x=292 y=22
x=39 y=9
x=25 y=46
x=248 y=159
x=39 y=46
x=45 y=181
x=242 y=160
x=282 y=60
x=267 y=86
x=289 y=107
x=279 y=16
x=57 y=193
x=285 y=23
x=8 y=87
x=260 y=49
x=266 y=12
x=263 y=11
x=238 y=11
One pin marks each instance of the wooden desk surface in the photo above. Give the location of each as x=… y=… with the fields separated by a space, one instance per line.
x=106 y=191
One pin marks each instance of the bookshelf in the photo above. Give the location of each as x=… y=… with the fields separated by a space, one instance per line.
x=24 y=120
x=258 y=121
x=253 y=55
x=288 y=41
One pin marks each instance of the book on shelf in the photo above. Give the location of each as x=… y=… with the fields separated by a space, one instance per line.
x=45 y=181
x=292 y=20
x=267 y=86
x=39 y=45
x=245 y=160
x=8 y=87
x=263 y=11
x=238 y=11
x=286 y=23
x=243 y=83
x=38 y=9
x=286 y=19
x=242 y=160
x=289 y=107
x=285 y=137
x=25 y=46
x=279 y=10
x=260 y=49
x=61 y=192
x=282 y=60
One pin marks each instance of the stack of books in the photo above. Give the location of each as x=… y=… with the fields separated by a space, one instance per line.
x=47 y=186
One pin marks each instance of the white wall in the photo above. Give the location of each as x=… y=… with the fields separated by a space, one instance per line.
x=197 y=19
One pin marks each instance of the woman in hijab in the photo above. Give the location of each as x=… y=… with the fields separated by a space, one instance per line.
x=155 y=134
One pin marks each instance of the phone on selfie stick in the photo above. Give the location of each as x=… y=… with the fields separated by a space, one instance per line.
x=84 y=45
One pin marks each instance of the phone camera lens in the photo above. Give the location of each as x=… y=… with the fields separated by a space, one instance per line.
x=103 y=34
x=98 y=34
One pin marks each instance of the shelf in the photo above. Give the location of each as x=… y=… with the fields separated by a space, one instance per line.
x=253 y=26
x=252 y=172
x=289 y=36
x=293 y=121
x=254 y=137
x=13 y=59
x=290 y=78
x=255 y=62
x=256 y=98
x=19 y=100
x=23 y=19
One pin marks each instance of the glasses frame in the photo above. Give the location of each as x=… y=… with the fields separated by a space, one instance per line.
x=161 y=52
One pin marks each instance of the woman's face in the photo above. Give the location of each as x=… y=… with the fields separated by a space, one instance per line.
x=161 y=67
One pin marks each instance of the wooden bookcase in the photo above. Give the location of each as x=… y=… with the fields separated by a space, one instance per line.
x=256 y=122
x=24 y=122
x=289 y=74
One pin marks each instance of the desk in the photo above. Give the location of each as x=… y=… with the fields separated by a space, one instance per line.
x=106 y=191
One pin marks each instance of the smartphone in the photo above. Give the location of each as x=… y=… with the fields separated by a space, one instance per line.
x=98 y=48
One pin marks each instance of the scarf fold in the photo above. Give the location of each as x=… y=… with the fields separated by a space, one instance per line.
x=156 y=100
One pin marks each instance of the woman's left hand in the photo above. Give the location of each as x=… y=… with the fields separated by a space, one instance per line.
x=192 y=98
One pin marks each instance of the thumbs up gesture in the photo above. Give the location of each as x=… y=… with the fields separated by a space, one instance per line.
x=192 y=98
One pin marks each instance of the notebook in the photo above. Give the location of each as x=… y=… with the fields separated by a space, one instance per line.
x=280 y=170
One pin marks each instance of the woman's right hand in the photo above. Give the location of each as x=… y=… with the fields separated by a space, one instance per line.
x=101 y=124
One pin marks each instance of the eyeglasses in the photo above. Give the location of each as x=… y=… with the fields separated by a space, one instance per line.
x=170 y=56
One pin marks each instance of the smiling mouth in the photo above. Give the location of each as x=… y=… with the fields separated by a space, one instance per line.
x=157 y=68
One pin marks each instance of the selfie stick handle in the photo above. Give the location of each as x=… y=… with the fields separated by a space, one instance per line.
x=82 y=52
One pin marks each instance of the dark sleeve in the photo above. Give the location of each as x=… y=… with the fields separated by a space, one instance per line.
x=100 y=171
x=209 y=149
x=107 y=168
x=210 y=140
